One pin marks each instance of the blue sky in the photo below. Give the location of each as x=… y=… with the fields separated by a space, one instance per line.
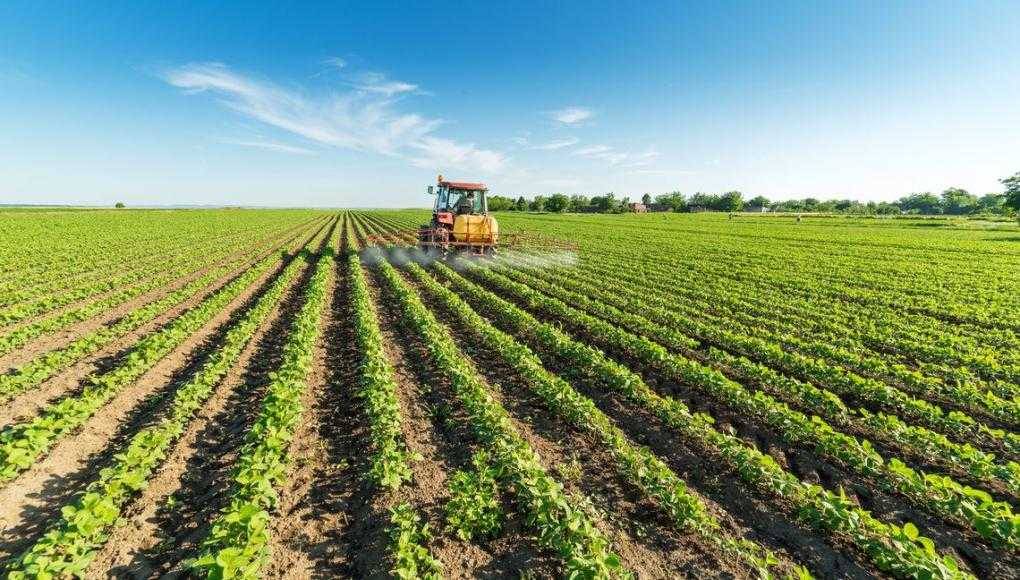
x=361 y=104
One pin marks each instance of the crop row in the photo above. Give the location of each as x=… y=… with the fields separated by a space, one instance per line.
x=22 y=444
x=955 y=386
x=20 y=336
x=70 y=545
x=237 y=544
x=39 y=249
x=391 y=459
x=942 y=495
x=561 y=526
x=89 y=273
x=41 y=368
x=710 y=256
x=42 y=299
x=956 y=424
x=897 y=550
x=686 y=510
x=640 y=314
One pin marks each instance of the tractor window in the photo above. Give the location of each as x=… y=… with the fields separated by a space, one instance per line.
x=454 y=200
x=465 y=201
x=441 y=198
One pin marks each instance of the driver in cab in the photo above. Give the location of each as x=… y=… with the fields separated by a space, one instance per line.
x=466 y=204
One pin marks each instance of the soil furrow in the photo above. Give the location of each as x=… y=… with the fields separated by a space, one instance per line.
x=69 y=380
x=437 y=427
x=174 y=513
x=32 y=501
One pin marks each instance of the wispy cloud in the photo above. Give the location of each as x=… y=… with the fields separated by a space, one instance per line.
x=437 y=153
x=571 y=115
x=593 y=150
x=375 y=82
x=614 y=157
x=270 y=146
x=365 y=118
x=555 y=145
x=336 y=62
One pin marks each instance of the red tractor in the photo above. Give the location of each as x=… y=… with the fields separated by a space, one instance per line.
x=460 y=220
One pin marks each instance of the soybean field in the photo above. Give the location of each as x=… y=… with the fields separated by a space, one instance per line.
x=303 y=393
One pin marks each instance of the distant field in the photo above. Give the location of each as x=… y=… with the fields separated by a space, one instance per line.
x=258 y=393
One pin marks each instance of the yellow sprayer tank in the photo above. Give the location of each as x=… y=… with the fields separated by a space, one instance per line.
x=475 y=229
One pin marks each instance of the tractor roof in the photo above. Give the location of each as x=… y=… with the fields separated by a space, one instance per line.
x=463 y=185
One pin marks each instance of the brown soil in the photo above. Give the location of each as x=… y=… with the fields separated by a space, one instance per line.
x=639 y=529
x=965 y=545
x=298 y=530
x=804 y=462
x=437 y=427
x=756 y=518
x=28 y=404
x=165 y=525
x=33 y=500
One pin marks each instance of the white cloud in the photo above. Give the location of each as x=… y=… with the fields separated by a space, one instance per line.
x=271 y=146
x=444 y=153
x=336 y=62
x=571 y=115
x=614 y=157
x=375 y=82
x=364 y=119
x=593 y=150
x=554 y=145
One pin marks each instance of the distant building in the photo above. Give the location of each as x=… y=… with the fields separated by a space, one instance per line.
x=659 y=207
x=637 y=207
x=757 y=209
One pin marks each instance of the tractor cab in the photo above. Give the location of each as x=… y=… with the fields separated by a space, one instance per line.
x=454 y=198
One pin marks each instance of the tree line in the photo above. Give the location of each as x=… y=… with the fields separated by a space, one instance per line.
x=953 y=201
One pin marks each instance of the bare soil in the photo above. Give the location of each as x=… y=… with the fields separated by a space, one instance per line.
x=32 y=501
x=69 y=380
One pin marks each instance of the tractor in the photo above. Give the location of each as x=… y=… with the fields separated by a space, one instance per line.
x=460 y=220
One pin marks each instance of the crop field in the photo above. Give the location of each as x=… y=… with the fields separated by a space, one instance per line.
x=303 y=393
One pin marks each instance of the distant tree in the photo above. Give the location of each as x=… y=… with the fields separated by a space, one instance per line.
x=500 y=203
x=522 y=204
x=956 y=201
x=119 y=205
x=824 y=206
x=674 y=200
x=730 y=201
x=577 y=202
x=606 y=203
x=855 y=207
x=624 y=206
x=557 y=203
x=646 y=199
x=842 y=205
x=538 y=203
x=926 y=203
x=810 y=204
x=703 y=201
x=1012 y=193
x=757 y=202
x=993 y=203
x=886 y=208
